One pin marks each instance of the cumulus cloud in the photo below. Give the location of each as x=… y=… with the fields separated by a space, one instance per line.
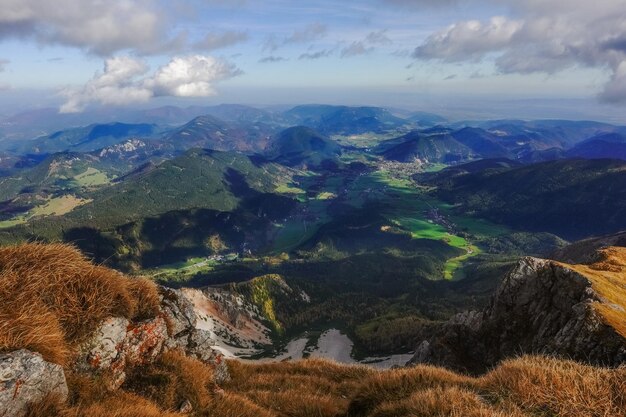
x=470 y=39
x=316 y=55
x=125 y=80
x=214 y=40
x=101 y=27
x=615 y=89
x=541 y=36
x=271 y=59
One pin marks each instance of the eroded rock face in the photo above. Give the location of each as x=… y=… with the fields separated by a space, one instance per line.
x=118 y=344
x=26 y=378
x=186 y=336
x=541 y=307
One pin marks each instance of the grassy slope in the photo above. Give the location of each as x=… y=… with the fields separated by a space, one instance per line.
x=608 y=278
x=198 y=179
x=571 y=198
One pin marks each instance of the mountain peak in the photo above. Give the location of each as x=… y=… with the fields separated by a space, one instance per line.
x=542 y=306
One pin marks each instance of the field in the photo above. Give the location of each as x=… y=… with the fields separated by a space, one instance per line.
x=55 y=206
x=91 y=178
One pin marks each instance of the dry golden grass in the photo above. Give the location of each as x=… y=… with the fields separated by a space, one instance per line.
x=122 y=404
x=608 y=278
x=51 y=297
x=527 y=386
x=173 y=379
x=452 y=401
x=566 y=388
x=401 y=383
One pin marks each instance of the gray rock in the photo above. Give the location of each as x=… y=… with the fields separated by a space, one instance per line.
x=118 y=343
x=179 y=311
x=541 y=307
x=26 y=378
x=185 y=407
x=102 y=349
x=182 y=319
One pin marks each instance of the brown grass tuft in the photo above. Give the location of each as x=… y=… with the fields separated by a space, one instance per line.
x=146 y=296
x=123 y=404
x=51 y=297
x=50 y=406
x=566 y=388
x=172 y=380
x=399 y=384
x=235 y=405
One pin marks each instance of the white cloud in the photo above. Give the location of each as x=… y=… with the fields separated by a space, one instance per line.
x=542 y=36
x=310 y=33
x=367 y=45
x=615 y=89
x=213 y=40
x=3 y=64
x=470 y=39
x=419 y=4
x=316 y=55
x=124 y=81
x=356 y=48
x=378 y=38
x=101 y=27
x=272 y=59
x=192 y=76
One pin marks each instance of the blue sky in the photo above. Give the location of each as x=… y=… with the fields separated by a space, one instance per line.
x=83 y=53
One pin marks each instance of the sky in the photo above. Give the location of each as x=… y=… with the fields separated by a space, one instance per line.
x=80 y=54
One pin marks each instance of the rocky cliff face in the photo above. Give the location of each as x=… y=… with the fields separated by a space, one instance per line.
x=113 y=348
x=541 y=307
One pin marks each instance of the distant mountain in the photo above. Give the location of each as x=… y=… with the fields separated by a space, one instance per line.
x=212 y=133
x=241 y=113
x=607 y=145
x=83 y=139
x=130 y=154
x=302 y=145
x=566 y=132
x=449 y=174
x=424 y=147
x=343 y=120
x=482 y=142
x=57 y=173
x=571 y=198
x=426 y=119
x=534 y=155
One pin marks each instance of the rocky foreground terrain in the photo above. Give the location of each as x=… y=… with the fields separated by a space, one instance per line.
x=82 y=340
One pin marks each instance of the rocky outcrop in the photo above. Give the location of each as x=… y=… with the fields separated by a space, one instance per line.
x=119 y=344
x=541 y=307
x=116 y=346
x=25 y=378
x=186 y=334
